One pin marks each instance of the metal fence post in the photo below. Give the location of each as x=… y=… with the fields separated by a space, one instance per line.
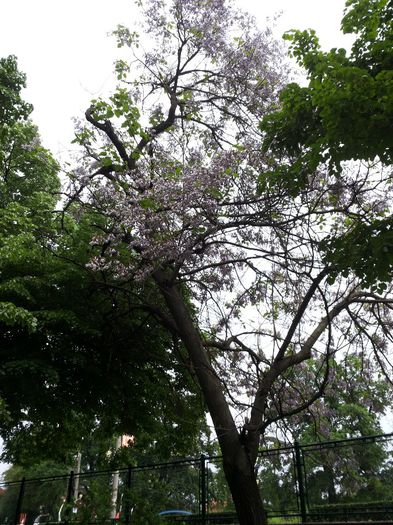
x=127 y=510
x=70 y=487
x=300 y=482
x=203 y=502
x=19 y=501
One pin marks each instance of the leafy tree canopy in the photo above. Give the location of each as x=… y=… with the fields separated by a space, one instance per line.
x=12 y=106
x=72 y=353
x=345 y=113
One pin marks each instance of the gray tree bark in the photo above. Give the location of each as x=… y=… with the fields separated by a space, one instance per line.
x=238 y=466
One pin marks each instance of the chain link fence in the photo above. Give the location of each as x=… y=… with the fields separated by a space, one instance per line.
x=345 y=480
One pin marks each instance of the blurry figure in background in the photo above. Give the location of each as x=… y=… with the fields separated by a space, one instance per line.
x=22 y=518
x=78 y=503
x=43 y=516
x=59 y=512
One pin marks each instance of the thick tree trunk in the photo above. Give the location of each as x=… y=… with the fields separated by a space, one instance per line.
x=242 y=483
x=238 y=467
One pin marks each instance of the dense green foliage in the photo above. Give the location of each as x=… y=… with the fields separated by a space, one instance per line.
x=12 y=106
x=74 y=352
x=345 y=113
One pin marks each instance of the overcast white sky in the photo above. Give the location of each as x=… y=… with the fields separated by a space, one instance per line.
x=64 y=49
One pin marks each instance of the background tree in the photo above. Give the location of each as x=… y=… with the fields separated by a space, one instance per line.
x=353 y=403
x=173 y=162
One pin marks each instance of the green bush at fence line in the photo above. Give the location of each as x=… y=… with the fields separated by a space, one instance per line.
x=94 y=505
x=219 y=496
x=147 y=498
x=278 y=519
x=377 y=511
x=351 y=474
x=155 y=490
x=277 y=483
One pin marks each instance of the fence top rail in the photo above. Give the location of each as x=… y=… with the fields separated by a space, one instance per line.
x=176 y=463
x=92 y=473
x=347 y=441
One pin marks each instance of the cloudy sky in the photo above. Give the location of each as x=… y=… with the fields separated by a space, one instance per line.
x=65 y=50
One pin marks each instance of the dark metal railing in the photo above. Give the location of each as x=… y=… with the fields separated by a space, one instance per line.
x=324 y=481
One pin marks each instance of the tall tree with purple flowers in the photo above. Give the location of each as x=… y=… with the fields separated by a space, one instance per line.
x=173 y=160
